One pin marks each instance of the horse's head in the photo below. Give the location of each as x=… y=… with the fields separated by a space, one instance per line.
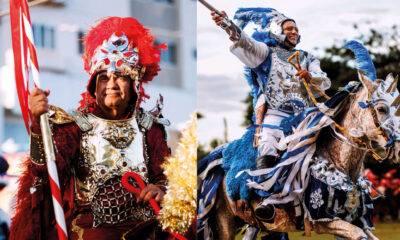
x=380 y=113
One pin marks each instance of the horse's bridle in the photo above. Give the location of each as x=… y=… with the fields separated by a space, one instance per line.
x=369 y=104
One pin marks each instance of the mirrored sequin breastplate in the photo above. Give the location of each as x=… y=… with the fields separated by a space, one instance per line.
x=284 y=89
x=110 y=149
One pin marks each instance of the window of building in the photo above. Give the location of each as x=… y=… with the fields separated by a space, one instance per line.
x=168 y=56
x=165 y=1
x=195 y=53
x=43 y=36
x=81 y=47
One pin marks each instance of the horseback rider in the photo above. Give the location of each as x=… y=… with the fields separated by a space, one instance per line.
x=276 y=85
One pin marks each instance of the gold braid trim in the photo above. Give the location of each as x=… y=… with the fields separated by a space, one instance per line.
x=56 y=116
x=59 y=116
x=75 y=228
x=37 y=149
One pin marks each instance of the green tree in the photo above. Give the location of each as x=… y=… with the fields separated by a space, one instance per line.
x=248 y=114
x=383 y=46
x=201 y=151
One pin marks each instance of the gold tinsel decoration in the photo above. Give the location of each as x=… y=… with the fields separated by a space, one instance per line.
x=179 y=204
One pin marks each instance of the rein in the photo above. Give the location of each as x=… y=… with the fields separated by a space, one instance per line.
x=366 y=145
x=369 y=105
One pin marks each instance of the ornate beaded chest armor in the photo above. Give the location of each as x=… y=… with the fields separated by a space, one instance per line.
x=285 y=90
x=109 y=149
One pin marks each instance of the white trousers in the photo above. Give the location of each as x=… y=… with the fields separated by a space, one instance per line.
x=268 y=143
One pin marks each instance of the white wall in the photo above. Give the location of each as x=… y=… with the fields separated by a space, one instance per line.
x=188 y=24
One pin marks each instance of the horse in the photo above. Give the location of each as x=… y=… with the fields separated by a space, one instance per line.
x=372 y=116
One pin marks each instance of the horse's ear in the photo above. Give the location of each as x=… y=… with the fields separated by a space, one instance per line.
x=392 y=81
x=367 y=83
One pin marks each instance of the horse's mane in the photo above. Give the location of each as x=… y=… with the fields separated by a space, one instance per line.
x=342 y=107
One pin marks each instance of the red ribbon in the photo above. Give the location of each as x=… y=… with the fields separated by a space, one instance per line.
x=137 y=192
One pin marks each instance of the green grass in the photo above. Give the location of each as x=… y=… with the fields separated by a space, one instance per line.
x=382 y=231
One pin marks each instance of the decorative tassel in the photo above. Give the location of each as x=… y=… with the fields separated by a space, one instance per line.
x=179 y=204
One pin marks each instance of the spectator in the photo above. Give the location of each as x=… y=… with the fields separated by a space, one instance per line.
x=4 y=217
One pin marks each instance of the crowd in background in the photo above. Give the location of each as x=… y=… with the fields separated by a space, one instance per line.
x=388 y=184
x=4 y=217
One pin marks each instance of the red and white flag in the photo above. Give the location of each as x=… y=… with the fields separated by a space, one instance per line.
x=25 y=63
x=25 y=60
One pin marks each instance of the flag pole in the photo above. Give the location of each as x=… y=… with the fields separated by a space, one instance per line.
x=53 y=177
x=25 y=61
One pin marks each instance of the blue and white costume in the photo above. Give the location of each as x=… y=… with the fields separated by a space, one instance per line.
x=284 y=92
x=271 y=77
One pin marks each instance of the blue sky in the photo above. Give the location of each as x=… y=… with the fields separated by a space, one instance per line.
x=221 y=85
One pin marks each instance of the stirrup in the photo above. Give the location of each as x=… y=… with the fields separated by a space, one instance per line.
x=265 y=213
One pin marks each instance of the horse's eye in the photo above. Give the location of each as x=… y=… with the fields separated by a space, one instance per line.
x=382 y=110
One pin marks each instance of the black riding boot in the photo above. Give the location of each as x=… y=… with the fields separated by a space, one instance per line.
x=265 y=213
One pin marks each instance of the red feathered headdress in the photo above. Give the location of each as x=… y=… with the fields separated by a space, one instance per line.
x=124 y=45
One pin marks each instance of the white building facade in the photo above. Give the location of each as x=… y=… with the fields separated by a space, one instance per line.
x=58 y=25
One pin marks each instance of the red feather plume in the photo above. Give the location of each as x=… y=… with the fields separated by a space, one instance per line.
x=149 y=54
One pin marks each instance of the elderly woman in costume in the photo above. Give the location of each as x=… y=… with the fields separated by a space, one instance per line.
x=107 y=136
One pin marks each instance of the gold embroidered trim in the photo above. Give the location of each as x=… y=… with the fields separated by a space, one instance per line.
x=37 y=149
x=76 y=229
x=59 y=116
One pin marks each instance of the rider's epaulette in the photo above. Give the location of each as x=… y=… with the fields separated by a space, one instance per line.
x=59 y=116
x=81 y=120
x=146 y=119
